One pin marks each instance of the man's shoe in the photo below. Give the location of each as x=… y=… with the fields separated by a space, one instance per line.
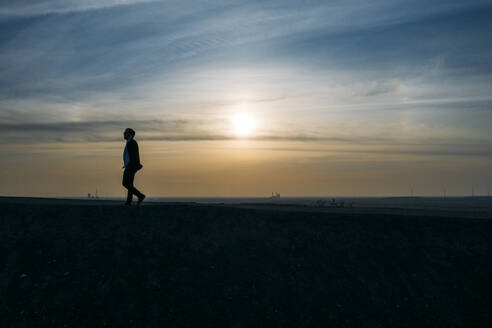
x=141 y=199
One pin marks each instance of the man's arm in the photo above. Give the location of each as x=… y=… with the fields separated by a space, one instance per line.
x=132 y=148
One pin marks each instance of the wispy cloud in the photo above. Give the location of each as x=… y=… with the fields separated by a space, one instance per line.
x=44 y=7
x=195 y=130
x=123 y=47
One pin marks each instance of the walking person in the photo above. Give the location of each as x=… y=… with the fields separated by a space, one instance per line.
x=131 y=159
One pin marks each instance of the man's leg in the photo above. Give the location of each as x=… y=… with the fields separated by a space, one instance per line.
x=129 y=197
x=138 y=193
x=128 y=177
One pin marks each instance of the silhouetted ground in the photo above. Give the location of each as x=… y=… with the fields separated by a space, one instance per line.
x=216 y=266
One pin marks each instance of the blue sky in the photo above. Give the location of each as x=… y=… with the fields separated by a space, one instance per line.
x=391 y=78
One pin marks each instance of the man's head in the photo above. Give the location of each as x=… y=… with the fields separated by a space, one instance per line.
x=129 y=133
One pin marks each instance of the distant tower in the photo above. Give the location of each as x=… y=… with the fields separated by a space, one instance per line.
x=89 y=195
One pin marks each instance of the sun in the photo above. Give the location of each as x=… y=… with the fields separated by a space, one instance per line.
x=244 y=124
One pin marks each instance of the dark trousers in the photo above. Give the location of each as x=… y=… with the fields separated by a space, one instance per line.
x=128 y=177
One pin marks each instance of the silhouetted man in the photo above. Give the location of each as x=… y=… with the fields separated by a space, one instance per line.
x=131 y=160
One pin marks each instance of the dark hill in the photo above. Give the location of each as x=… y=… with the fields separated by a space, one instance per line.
x=69 y=265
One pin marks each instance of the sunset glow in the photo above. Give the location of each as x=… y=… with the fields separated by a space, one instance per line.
x=242 y=97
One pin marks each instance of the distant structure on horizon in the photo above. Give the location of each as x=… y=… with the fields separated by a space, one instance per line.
x=90 y=196
x=275 y=195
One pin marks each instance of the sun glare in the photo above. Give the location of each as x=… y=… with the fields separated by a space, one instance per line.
x=244 y=124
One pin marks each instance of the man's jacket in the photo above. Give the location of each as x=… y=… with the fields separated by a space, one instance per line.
x=132 y=148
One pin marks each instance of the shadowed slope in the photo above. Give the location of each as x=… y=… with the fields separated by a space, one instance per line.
x=193 y=265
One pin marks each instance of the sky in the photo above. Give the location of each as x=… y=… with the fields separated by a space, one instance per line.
x=242 y=98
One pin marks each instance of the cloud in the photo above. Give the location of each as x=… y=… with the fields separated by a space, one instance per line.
x=197 y=130
x=478 y=149
x=378 y=88
x=87 y=131
x=125 y=46
x=87 y=126
x=22 y=8
x=331 y=62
